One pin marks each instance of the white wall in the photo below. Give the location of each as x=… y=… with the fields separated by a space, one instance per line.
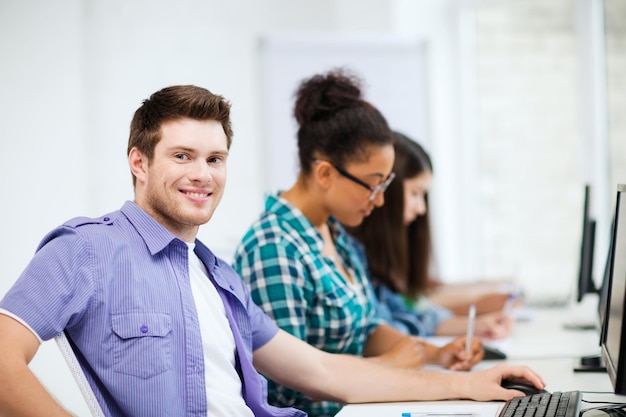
x=437 y=23
x=44 y=172
x=392 y=69
x=72 y=73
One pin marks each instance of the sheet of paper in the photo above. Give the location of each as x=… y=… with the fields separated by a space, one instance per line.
x=423 y=409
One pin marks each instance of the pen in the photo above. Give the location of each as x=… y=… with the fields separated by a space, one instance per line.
x=508 y=306
x=470 y=328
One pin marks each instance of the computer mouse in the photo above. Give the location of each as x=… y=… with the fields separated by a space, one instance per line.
x=522 y=385
x=492 y=353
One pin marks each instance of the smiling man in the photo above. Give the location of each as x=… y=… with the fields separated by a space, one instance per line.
x=160 y=326
x=183 y=182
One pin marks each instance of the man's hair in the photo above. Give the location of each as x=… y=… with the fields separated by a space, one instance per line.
x=174 y=103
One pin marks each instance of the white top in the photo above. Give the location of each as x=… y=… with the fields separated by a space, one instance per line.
x=223 y=385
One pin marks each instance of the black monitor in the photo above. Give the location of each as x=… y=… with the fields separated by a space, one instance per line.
x=604 y=287
x=594 y=363
x=586 y=284
x=613 y=340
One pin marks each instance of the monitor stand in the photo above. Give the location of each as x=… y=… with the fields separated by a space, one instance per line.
x=579 y=325
x=592 y=363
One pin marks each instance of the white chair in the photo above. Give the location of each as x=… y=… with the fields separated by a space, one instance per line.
x=79 y=376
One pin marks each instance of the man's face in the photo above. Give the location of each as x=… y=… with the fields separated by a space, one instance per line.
x=183 y=184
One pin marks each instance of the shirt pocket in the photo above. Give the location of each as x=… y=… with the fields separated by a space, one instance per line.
x=143 y=345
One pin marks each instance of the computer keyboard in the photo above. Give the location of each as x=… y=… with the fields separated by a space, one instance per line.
x=555 y=404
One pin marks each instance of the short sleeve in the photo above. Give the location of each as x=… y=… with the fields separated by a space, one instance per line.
x=54 y=290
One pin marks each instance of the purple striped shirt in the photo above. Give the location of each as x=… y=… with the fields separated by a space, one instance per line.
x=119 y=286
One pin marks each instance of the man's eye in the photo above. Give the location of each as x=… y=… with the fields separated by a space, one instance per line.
x=180 y=156
x=215 y=160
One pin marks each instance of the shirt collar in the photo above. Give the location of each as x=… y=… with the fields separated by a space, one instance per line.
x=158 y=238
x=301 y=224
x=152 y=232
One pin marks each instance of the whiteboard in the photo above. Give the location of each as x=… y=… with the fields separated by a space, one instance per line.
x=392 y=69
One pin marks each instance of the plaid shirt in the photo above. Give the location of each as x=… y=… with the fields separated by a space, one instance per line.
x=280 y=258
x=417 y=316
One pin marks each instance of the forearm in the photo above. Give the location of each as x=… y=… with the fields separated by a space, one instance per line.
x=454 y=326
x=350 y=380
x=432 y=354
x=21 y=394
x=353 y=381
x=389 y=346
x=382 y=340
x=346 y=378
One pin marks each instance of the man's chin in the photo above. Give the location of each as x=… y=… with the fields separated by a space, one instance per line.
x=198 y=219
x=202 y=220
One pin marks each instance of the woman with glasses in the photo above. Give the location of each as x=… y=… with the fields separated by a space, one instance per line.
x=301 y=266
x=397 y=245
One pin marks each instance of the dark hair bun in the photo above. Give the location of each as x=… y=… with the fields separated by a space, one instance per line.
x=321 y=95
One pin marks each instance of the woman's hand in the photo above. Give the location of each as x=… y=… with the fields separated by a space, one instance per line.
x=493 y=325
x=454 y=355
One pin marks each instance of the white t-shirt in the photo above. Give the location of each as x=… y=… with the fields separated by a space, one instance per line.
x=223 y=385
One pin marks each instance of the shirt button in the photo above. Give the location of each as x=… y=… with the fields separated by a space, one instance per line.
x=144 y=329
x=106 y=219
x=232 y=288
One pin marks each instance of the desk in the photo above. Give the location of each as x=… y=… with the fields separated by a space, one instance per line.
x=545 y=336
x=542 y=343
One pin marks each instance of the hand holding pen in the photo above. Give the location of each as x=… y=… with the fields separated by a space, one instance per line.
x=455 y=357
x=463 y=352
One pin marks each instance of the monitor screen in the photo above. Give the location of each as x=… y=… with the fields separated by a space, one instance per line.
x=586 y=284
x=594 y=363
x=613 y=342
x=604 y=287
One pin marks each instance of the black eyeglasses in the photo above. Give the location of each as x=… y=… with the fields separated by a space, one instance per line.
x=375 y=190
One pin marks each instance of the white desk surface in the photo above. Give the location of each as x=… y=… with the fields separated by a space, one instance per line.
x=546 y=336
x=544 y=344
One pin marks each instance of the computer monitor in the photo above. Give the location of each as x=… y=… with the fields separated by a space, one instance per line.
x=613 y=340
x=594 y=363
x=604 y=286
x=586 y=284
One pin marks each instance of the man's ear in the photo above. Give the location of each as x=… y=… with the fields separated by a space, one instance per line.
x=138 y=164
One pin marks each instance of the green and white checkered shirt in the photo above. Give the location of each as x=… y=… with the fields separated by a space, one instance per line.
x=280 y=258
